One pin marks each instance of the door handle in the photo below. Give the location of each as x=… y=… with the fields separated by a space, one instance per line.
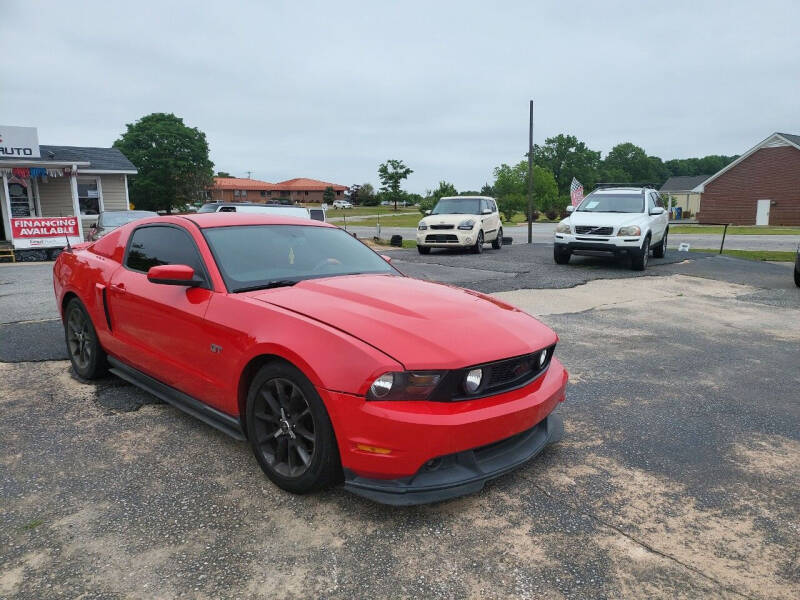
x=118 y=287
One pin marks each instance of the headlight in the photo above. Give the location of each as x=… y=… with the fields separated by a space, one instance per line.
x=421 y=226
x=405 y=385
x=563 y=227
x=467 y=224
x=473 y=380
x=628 y=231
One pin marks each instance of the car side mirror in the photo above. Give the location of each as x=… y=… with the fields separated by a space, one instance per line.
x=570 y=209
x=486 y=211
x=386 y=258
x=656 y=210
x=427 y=212
x=173 y=275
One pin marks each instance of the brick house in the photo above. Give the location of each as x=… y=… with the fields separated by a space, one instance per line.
x=234 y=189
x=761 y=187
x=301 y=189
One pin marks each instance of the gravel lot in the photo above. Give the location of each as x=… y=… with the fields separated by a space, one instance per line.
x=678 y=476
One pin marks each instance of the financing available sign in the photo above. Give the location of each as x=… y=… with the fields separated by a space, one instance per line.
x=44 y=232
x=19 y=142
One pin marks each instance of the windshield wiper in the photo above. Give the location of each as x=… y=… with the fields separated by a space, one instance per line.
x=265 y=286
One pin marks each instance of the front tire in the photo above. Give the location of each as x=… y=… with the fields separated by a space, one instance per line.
x=639 y=260
x=561 y=256
x=797 y=274
x=498 y=241
x=85 y=353
x=478 y=247
x=290 y=431
x=661 y=249
x=423 y=249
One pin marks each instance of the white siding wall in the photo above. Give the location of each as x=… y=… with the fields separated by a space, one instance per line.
x=55 y=197
x=113 y=192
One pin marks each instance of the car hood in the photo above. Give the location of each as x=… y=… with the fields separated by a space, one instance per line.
x=448 y=219
x=422 y=325
x=605 y=219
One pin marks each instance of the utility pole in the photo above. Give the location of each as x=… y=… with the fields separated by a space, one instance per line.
x=530 y=177
x=249 y=173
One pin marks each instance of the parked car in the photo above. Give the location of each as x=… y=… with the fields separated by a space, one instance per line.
x=797 y=268
x=334 y=366
x=628 y=221
x=342 y=204
x=461 y=221
x=253 y=207
x=109 y=220
x=317 y=214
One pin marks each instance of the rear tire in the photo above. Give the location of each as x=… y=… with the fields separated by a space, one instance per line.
x=498 y=241
x=561 y=256
x=639 y=260
x=478 y=247
x=85 y=353
x=290 y=431
x=797 y=273
x=661 y=249
x=423 y=249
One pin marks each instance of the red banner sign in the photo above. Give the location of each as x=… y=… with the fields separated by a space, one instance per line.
x=44 y=227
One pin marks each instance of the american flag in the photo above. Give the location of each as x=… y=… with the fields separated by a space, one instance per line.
x=576 y=192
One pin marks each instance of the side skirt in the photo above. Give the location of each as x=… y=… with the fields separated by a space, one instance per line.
x=211 y=416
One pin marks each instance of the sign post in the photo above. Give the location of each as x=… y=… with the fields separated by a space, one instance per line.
x=530 y=177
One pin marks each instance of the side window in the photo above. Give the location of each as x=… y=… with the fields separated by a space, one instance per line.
x=493 y=205
x=485 y=205
x=159 y=245
x=227 y=209
x=659 y=200
x=650 y=203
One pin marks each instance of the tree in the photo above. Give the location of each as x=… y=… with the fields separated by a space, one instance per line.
x=631 y=161
x=566 y=157
x=172 y=160
x=223 y=174
x=511 y=187
x=444 y=189
x=487 y=190
x=392 y=173
x=328 y=195
x=366 y=195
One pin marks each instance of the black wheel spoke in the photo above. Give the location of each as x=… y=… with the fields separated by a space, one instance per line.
x=284 y=427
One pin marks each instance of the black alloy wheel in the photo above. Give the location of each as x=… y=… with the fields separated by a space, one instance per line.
x=290 y=431
x=498 y=241
x=285 y=428
x=87 y=357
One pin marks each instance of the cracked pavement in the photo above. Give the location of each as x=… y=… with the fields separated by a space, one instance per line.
x=678 y=477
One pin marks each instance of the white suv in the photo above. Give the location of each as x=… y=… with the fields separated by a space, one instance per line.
x=620 y=220
x=461 y=221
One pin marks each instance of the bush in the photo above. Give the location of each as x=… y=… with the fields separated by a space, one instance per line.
x=425 y=205
x=552 y=214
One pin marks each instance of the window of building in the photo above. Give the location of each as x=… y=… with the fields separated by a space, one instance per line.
x=89 y=196
x=306 y=193
x=339 y=192
x=19 y=196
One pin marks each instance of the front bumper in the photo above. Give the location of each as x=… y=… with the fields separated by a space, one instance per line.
x=461 y=473
x=411 y=434
x=447 y=238
x=590 y=243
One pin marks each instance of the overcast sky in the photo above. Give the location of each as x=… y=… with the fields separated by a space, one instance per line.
x=329 y=90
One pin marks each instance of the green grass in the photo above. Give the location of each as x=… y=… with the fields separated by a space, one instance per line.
x=33 y=524
x=735 y=229
x=356 y=211
x=406 y=243
x=389 y=221
x=773 y=255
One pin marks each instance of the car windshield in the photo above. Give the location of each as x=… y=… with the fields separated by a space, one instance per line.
x=458 y=206
x=207 y=208
x=117 y=219
x=260 y=256
x=612 y=203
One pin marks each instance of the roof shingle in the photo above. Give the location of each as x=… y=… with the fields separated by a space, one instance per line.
x=682 y=183
x=101 y=159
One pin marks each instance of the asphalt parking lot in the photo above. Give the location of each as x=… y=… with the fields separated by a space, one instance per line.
x=678 y=477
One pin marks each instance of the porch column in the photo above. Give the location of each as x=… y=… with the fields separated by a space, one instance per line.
x=6 y=209
x=76 y=206
x=127 y=198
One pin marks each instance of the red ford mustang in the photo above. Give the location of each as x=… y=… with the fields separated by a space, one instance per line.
x=330 y=362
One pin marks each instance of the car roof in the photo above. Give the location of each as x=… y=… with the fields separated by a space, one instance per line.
x=228 y=219
x=466 y=198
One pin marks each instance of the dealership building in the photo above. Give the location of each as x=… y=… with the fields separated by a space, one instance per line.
x=53 y=193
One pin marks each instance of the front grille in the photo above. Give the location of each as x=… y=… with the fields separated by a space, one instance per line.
x=590 y=230
x=499 y=377
x=440 y=238
x=442 y=226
